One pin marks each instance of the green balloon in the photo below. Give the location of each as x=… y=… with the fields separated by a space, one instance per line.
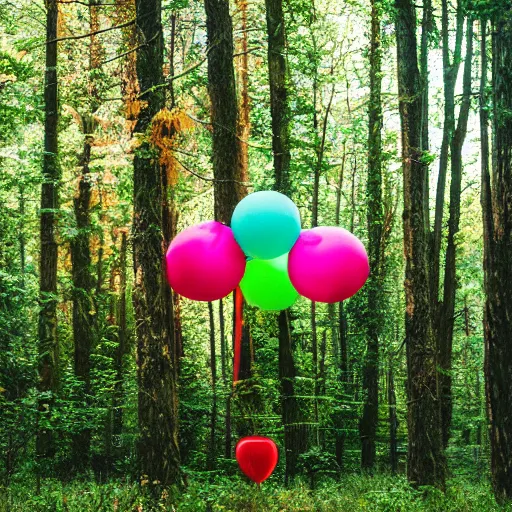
x=266 y=284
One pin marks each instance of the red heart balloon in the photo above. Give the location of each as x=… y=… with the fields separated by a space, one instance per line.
x=257 y=457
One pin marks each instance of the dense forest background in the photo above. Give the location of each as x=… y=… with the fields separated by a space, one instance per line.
x=124 y=121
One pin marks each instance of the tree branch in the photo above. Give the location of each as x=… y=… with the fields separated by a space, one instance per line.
x=87 y=4
x=83 y=36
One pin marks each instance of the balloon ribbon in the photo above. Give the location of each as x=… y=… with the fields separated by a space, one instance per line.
x=239 y=308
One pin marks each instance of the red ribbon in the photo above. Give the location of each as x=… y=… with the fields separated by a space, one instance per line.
x=239 y=308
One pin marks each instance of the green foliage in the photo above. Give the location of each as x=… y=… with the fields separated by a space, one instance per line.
x=352 y=494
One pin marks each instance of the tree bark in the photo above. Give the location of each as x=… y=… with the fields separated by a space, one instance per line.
x=393 y=420
x=498 y=260
x=314 y=353
x=450 y=72
x=375 y=218
x=84 y=313
x=447 y=311
x=426 y=31
x=47 y=327
x=244 y=118
x=158 y=418
x=339 y=327
x=212 y=450
x=122 y=343
x=426 y=461
x=229 y=186
x=294 y=431
x=279 y=105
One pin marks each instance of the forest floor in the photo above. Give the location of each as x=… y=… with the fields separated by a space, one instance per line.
x=352 y=493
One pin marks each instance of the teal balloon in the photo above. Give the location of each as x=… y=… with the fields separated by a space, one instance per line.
x=266 y=224
x=266 y=284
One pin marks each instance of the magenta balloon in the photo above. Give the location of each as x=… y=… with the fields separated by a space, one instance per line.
x=204 y=262
x=328 y=264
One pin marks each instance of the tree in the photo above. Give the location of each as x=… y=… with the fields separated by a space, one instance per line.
x=375 y=217
x=244 y=118
x=446 y=309
x=157 y=398
x=47 y=327
x=229 y=187
x=454 y=133
x=426 y=462
x=294 y=435
x=83 y=279
x=497 y=218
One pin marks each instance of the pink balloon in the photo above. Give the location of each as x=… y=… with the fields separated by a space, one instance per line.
x=204 y=262
x=328 y=264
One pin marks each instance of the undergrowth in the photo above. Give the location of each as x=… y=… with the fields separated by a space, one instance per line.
x=355 y=493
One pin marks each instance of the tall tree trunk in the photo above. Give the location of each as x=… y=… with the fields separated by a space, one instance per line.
x=158 y=418
x=47 y=326
x=343 y=379
x=393 y=420
x=83 y=279
x=321 y=381
x=229 y=187
x=244 y=119
x=447 y=311
x=122 y=343
x=294 y=433
x=426 y=461
x=498 y=260
x=225 y=381
x=279 y=105
x=83 y=307
x=375 y=218
x=426 y=31
x=229 y=184
x=339 y=327
x=450 y=72
x=212 y=450
x=314 y=353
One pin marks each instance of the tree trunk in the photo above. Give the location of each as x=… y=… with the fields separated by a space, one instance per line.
x=426 y=31
x=393 y=420
x=294 y=431
x=47 y=326
x=158 y=445
x=84 y=313
x=340 y=337
x=83 y=307
x=244 y=119
x=498 y=261
x=447 y=311
x=314 y=353
x=225 y=381
x=213 y=369
x=279 y=106
x=450 y=72
x=375 y=218
x=122 y=343
x=229 y=187
x=426 y=461
x=321 y=381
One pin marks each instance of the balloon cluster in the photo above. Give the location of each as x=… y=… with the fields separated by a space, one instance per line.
x=268 y=255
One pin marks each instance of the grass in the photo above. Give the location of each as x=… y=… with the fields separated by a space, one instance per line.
x=381 y=493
